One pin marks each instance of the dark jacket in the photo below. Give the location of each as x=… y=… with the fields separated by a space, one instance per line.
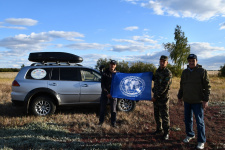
x=194 y=85
x=162 y=82
x=106 y=81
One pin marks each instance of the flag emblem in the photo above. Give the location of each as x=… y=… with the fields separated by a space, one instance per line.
x=132 y=86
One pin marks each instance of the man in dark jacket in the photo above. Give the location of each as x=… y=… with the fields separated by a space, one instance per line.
x=194 y=90
x=162 y=82
x=106 y=86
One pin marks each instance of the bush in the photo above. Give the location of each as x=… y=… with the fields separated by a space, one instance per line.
x=139 y=67
x=222 y=71
x=176 y=71
x=123 y=66
x=104 y=63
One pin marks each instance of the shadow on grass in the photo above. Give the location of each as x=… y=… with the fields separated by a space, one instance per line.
x=7 y=110
x=79 y=109
x=46 y=136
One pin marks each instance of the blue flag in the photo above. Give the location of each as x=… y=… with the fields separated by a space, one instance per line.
x=132 y=86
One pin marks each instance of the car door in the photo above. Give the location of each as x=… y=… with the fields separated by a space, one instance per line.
x=90 y=86
x=66 y=82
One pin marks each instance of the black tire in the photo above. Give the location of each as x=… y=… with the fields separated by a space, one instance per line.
x=42 y=106
x=125 y=105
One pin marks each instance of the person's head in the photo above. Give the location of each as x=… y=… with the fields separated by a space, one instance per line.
x=192 y=60
x=112 y=65
x=163 y=61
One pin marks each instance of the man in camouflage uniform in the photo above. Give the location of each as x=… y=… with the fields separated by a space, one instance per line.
x=162 y=82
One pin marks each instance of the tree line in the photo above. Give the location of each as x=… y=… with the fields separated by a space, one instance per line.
x=9 y=69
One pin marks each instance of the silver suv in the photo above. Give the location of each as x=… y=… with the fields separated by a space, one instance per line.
x=42 y=87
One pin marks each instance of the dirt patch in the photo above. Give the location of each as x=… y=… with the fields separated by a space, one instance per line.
x=215 y=131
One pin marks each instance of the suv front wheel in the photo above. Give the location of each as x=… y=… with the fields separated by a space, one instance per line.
x=125 y=105
x=42 y=106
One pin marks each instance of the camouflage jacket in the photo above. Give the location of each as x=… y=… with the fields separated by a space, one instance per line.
x=162 y=82
x=194 y=85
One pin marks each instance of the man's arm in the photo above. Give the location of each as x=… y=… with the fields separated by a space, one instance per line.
x=180 y=92
x=206 y=86
x=206 y=89
x=103 y=84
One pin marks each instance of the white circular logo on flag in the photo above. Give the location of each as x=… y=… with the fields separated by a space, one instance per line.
x=132 y=86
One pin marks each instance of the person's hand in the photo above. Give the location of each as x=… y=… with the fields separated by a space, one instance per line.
x=109 y=96
x=180 y=102
x=153 y=99
x=205 y=104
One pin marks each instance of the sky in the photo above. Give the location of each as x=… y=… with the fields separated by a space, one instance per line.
x=129 y=30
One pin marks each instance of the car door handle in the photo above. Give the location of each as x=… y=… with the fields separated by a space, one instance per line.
x=84 y=85
x=53 y=84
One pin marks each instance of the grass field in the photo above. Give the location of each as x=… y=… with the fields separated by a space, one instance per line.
x=76 y=128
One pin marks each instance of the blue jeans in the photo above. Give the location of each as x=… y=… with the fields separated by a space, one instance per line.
x=199 y=116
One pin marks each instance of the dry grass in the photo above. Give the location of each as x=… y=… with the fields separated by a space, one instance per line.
x=76 y=128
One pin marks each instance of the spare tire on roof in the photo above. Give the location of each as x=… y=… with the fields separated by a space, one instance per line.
x=54 y=57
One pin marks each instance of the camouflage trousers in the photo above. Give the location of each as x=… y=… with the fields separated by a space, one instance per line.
x=161 y=114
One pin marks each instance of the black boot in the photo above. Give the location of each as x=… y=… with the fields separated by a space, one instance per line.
x=157 y=132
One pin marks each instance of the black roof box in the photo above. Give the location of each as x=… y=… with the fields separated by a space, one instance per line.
x=44 y=57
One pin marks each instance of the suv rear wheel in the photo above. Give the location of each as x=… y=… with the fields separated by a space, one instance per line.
x=42 y=106
x=125 y=105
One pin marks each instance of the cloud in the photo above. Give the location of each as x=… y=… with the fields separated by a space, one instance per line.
x=145 y=38
x=132 y=1
x=22 y=43
x=11 y=27
x=136 y=44
x=21 y=21
x=200 y=10
x=152 y=58
x=212 y=63
x=85 y=46
x=156 y=6
x=125 y=41
x=67 y=35
x=131 y=28
x=205 y=50
x=210 y=57
x=134 y=48
x=91 y=59
x=222 y=26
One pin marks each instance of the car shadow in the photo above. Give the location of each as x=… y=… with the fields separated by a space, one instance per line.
x=8 y=110
x=79 y=109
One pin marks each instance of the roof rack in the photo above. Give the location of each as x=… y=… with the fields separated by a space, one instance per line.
x=55 y=64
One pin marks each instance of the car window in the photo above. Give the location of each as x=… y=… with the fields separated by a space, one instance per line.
x=55 y=74
x=69 y=74
x=90 y=75
x=39 y=74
